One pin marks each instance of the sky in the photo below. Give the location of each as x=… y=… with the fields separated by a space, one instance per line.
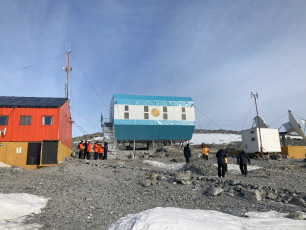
x=216 y=52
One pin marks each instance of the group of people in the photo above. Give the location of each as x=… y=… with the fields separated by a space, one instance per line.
x=242 y=159
x=100 y=150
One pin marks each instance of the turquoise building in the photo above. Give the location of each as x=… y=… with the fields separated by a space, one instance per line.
x=146 y=118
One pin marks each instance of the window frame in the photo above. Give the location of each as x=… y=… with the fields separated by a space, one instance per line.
x=43 y=121
x=126 y=115
x=5 y=121
x=184 y=117
x=126 y=108
x=23 y=122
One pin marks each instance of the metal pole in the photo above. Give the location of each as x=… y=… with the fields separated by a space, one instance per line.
x=134 y=145
x=256 y=95
x=67 y=70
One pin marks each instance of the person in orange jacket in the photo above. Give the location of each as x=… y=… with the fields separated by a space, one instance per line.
x=88 y=150
x=205 y=152
x=96 y=150
x=80 y=147
x=100 y=151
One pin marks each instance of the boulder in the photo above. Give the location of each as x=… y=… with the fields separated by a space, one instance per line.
x=271 y=196
x=214 y=191
x=146 y=183
x=297 y=201
x=238 y=212
x=183 y=177
x=252 y=195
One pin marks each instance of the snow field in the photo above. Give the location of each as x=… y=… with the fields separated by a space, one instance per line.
x=175 y=218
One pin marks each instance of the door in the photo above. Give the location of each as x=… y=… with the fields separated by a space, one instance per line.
x=49 y=152
x=33 y=155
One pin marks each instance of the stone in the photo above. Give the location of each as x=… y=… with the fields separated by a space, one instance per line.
x=214 y=191
x=252 y=195
x=235 y=182
x=146 y=183
x=271 y=196
x=183 y=177
x=238 y=212
x=297 y=201
x=296 y=215
x=161 y=177
x=131 y=156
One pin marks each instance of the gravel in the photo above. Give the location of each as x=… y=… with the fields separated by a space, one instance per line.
x=93 y=194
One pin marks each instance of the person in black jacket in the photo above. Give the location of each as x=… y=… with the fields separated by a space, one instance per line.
x=243 y=159
x=221 y=155
x=187 y=153
x=85 y=147
x=105 y=150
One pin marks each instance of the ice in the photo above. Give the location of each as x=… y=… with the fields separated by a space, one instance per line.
x=175 y=218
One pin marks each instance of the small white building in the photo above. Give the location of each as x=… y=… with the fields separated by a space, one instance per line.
x=269 y=137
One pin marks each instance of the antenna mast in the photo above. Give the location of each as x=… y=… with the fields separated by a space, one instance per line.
x=67 y=70
x=256 y=96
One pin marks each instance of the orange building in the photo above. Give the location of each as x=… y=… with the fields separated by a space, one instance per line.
x=34 y=131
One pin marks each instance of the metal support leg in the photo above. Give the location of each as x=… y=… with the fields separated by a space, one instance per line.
x=134 y=145
x=153 y=144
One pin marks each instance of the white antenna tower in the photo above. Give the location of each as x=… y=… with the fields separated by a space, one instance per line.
x=67 y=70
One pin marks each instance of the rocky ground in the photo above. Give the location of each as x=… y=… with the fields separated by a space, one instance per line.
x=93 y=194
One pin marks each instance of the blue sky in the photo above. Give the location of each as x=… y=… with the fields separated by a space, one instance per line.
x=216 y=52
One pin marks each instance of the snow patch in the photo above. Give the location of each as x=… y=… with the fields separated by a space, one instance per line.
x=213 y=138
x=15 y=206
x=2 y=165
x=175 y=218
x=174 y=166
x=235 y=168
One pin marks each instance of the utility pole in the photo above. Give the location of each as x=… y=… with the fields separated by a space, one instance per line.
x=67 y=70
x=256 y=96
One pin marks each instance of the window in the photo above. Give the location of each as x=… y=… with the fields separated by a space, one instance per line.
x=25 y=120
x=253 y=139
x=183 y=110
x=126 y=116
x=252 y=131
x=3 y=120
x=126 y=108
x=146 y=112
x=165 y=109
x=165 y=116
x=48 y=120
x=184 y=117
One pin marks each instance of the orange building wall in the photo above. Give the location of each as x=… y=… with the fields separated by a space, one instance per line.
x=65 y=125
x=61 y=129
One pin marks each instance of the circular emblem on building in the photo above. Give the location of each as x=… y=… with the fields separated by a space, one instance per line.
x=155 y=112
